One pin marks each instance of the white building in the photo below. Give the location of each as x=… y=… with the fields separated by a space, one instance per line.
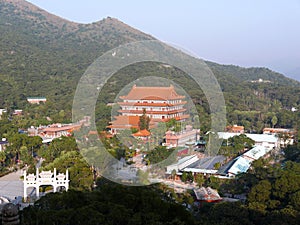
x=2 y=111
x=36 y=100
x=255 y=153
x=175 y=139
x=182 y=163
x=286 y=136
x=242 y=163
x=268 y=141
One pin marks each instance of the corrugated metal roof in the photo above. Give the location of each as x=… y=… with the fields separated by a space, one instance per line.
x=256 y=152
x=255 y=137
x=241 y=165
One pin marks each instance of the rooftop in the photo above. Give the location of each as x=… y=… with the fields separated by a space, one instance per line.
x=36 y=98
x=254 y=137
x=277 y=130
x=240 y=165
x=148 y=93
x=207 y=162
x=256 y=152
x=207 y=194
x=142 y=133
x=57 y=128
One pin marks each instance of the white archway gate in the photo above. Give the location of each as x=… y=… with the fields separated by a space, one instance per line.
x=45 y=178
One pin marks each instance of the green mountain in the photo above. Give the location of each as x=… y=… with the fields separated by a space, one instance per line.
x=44 y=55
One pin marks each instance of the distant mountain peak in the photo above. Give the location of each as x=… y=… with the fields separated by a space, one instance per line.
x=24 y=10
x=32 y=12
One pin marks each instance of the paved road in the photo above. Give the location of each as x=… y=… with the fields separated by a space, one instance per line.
x=11 y=185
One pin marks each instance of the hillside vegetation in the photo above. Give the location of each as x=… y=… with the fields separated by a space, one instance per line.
x=45 y=55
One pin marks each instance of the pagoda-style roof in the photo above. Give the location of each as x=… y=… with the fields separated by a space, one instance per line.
x=151 y=104
x=123 y=121
x=152 y=93
x=142 y=133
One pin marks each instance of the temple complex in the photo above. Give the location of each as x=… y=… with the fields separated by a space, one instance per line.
x=160 y=104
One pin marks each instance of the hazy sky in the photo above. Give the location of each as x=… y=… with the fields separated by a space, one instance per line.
x=248 y=33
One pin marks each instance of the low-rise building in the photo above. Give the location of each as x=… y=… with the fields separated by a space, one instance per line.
x=36 y=100
x=208 y=194
x=265 y=140
x=181 y=164
x=286 y=136
x=124 y=122
x=3 y=144
x=142 y=134
x=255 y=153
x=17 y=112
x=175 y=139
x=206 y=165
x=195 y=165
x=235 y=129
x=242 y=163
x=2 y=111
x=58 y=130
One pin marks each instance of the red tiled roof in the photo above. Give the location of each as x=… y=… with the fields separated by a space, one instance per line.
x=127 y=122
x=277 y=130
x=124 y=120
x=235 y=128
x=150 y=104
x=152 y=93
x=142 y=133
x=62 y=128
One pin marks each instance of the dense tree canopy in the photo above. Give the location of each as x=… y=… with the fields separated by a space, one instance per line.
x=110 y=204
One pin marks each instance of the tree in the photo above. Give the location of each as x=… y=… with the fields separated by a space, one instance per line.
x=184 y=177
x=199 y=178
x=80 y=172
x=173 y=174
x=295 y=200
x=159 y=154
x=144 y=121
x=24 y=156
x=2 y=157
x=274 y=120
x=236 y=145
x=109 y=204
x=57 y=146
x=261 y=192
x=217 y=165
x=190 y=177
x=213 y=182
x=158 y=133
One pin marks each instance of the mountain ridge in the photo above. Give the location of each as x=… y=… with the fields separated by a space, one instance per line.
x=45 y=55
x=65 y=28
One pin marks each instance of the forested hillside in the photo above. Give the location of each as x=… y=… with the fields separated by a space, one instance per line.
x=44 y=55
